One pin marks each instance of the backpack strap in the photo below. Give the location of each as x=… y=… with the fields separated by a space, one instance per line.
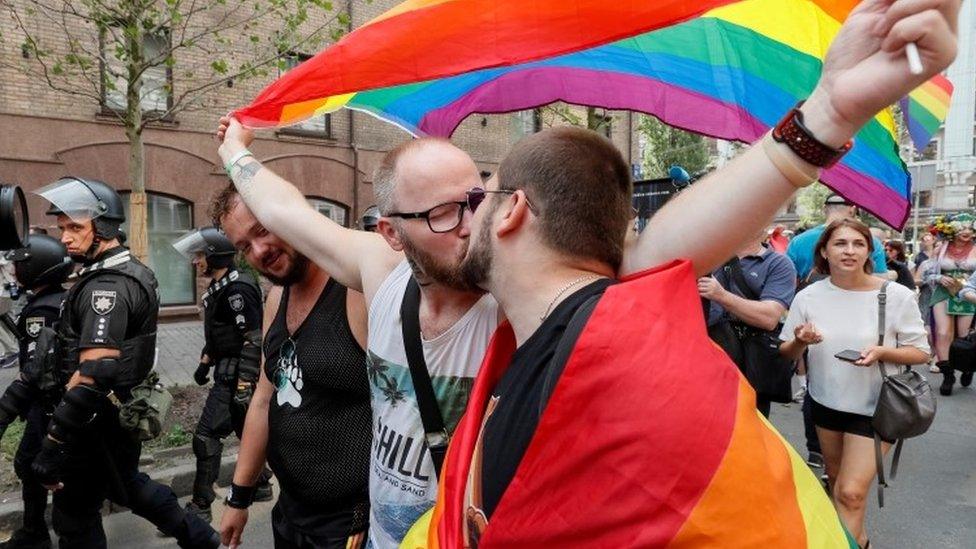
x=739 y=279
x=435 y=433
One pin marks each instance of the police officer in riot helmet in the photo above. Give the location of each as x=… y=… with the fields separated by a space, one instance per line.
x=107 y=340
x=41 y=268
x=371 y=218
x=232 y=309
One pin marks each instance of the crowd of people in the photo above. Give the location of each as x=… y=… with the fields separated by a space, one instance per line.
x=498 y=362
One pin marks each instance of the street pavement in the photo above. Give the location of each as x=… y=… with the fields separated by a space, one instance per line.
x=932 y=501
x=127 y=530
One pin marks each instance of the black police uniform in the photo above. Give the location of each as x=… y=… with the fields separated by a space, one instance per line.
x=232 y=309
x=41 y=311
x=114 y=304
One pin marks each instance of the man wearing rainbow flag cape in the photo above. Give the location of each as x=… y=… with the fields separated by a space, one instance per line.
x=641 y=433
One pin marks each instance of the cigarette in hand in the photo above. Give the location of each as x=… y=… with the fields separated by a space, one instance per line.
x=914 y=60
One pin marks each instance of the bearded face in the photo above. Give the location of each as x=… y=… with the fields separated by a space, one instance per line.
x=428 y=268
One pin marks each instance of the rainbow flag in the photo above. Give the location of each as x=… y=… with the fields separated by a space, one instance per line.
x=648 y=440
x=724 y=68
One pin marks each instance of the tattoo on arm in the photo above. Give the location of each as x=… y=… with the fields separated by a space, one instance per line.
x=243 y=176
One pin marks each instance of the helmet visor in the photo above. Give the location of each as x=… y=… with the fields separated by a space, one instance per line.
x=73 y=198
x=190 y=244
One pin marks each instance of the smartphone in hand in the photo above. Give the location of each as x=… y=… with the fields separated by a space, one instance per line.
x=849 y=355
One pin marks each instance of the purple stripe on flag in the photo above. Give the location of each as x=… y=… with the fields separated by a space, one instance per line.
x=530 y=88
x=869 y=193
x=674 y=105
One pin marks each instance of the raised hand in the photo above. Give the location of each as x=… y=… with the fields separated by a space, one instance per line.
x=807 y=334
x=231 y=130
x=866 y=68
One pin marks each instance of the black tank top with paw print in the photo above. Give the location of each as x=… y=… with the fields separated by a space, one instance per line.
x=319 y=419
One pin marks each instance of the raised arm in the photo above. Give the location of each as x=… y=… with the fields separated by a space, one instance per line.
x=350 y=256
x=865 y=71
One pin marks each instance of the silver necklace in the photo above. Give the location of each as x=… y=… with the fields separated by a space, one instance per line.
x=564 y=290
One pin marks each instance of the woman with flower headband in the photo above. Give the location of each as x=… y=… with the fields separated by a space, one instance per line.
x=954 y=260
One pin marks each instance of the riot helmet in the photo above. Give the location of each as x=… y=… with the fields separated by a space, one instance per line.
x=44 y=261
x=371 y=218
x=212 y=243
x=84 y=199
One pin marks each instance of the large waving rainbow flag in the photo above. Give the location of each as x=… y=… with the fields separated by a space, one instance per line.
x=648 y=440
x=723 y=68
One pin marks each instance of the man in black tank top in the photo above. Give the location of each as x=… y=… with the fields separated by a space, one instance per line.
x=310 y=416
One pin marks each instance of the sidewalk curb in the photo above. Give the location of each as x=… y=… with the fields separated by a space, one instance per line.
x=179 y=477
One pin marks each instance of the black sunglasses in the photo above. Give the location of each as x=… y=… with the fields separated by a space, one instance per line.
x=477 y=195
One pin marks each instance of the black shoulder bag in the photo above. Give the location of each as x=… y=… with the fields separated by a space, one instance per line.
x=435 y=433
x=769 y=372
x=905 y=409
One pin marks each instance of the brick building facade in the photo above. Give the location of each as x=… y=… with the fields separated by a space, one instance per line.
x=46 y=134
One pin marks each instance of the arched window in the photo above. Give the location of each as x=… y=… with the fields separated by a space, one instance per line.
x=169 y=217
x=329 y=208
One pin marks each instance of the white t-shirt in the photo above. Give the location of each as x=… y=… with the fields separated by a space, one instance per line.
x=848 y=320
x=402 y=482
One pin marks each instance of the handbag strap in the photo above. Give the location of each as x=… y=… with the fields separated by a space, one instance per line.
x=435 y=433
x=879 y=462
x=878 y=456
x=882 y=305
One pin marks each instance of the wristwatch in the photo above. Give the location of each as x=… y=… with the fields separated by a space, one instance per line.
x=791 y=132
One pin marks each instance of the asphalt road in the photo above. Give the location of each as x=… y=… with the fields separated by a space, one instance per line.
x=125 y=530
x=932 y=502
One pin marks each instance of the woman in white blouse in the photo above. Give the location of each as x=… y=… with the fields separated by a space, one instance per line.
x=837 y=314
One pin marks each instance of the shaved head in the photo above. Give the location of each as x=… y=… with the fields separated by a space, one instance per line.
x=422 y=160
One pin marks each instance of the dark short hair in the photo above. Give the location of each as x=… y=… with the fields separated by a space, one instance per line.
x=581 y=185
x=899 y=247
x=222 y=203
x=820 y=262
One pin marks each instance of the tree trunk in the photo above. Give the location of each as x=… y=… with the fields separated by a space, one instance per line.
x=138 y=221
x=138 y=227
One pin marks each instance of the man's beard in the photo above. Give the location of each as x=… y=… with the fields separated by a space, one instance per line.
x=297 y=271
x=427 y=265
x=476 y=267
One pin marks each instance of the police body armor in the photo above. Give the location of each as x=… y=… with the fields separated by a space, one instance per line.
x=223 y=340
x=42 y=369
x=136 y=354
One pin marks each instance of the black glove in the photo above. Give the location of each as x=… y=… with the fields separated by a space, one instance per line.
x=245 y=390
x=200 y=376
x=6 y=418
x=47 y=465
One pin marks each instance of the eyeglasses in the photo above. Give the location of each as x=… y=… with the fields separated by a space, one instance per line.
x=477 y=195
x=442 y=218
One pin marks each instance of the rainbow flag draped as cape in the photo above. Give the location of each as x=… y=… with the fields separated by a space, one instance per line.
x=651 y=438
x=724 y=68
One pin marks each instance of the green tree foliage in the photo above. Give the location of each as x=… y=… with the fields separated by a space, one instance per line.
x=145 y=61
x=668 y=146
